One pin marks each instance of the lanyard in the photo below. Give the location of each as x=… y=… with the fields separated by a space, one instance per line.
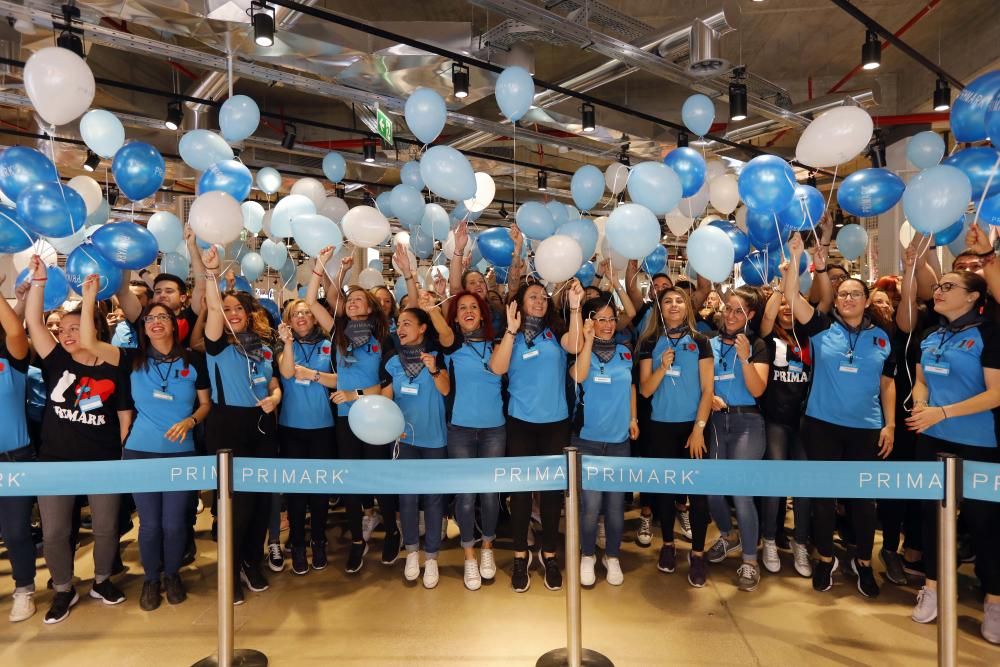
x=940 y=348
x=163 y=376
x=852 y=343
x=482 y=357
x=308 y=357
x=724 y=350
x=679 y=339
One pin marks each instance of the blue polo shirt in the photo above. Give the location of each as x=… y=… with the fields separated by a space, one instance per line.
x=357 y=369
x=728 y=371
x=604 y=403
x=676 y=399
x=537 y=379
x=162 y=394
x=237 y=381
x=419 y=400
x=306 y=404
x=475 y=400
x=13 y=387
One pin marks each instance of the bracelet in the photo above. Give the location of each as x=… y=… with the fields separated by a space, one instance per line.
x=944 y=412
x=599 y=276
x=316 y=377
x=192 y=418
x=988 y=253
x=574 y=310
x=512 y=333
x=825 y=245
x=436 y=373
x=458 y=254
x=823 y=270
x=317 y=273
x=39 y=280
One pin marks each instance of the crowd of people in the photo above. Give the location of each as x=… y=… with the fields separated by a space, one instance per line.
x=900 y=370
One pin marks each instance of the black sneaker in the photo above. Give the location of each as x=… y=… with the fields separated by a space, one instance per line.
x=253 y=578
x=823 y=574
x=300 y=565
x=867 y=585
x=520 y=579
x=275 y=558
x=668 y=559
x=550 y=568
x=176 y=593
x=356 y=557
x=914 y=567
x=390 y=548
x=966 y=549
x=190 y=552
x=319 y=555
x=108 y=593
x=893 y=566
x=238 y=597
x=61 y=604
x=150 y=597
x=697 y=570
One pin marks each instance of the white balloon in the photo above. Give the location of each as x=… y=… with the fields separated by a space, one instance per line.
x=89 y=189
x=615 y=177
x=370 y=278
x=694 y=205
x=401 y=238
x=216 y=217
x=906 y=234
x=68 y=244
x=678 y=223
x=486 y=189
x=618 y=261
x=311 y=188
x=741 y=219
x=558 y=258
x=449 y=245
x=265 y=223
x=723 y=192
x=708 y=219
x=412 y=258
x=835 y=137
x=714 y=169
x=334 y=208
x=599 y=222
x=253 y=216
x=285 y=210
x=365 y=227
x=59 y=84
x=42 y=248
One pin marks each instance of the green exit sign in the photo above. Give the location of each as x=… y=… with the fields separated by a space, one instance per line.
x=384 y=126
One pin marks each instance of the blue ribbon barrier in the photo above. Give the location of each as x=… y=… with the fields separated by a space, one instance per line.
x=186 y=473
x=805 y=479
x=528 y=473
x=981 y=481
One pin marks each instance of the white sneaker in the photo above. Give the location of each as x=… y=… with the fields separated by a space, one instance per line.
x=645 y=535
x=925 y=610
x=990 y=628
x=587 y=575
x=412 y=568
x=770 y=557
x=602 y=537
x=802 y=564
x=614 y=567
x=431 y=573
x=684 y=520
x=368 y=524
x=473 y=580
x=23 y=607
x=487 y=566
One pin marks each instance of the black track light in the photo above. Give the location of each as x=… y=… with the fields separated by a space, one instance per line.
x=288 y=141
x=811 y=179
x=623 y=156
x=68 y=38
x=262 y=18
x=175 y=114
x=503 y=212
x=339 y=190
x=460 y=80
x=369 y=148
x=942 y=96
x=112 y=194
x=683 y=139
x=876 y=150
x=871 y=51
x=93 y=159
x=543 y=181
x=587 y=117
x=738 y=96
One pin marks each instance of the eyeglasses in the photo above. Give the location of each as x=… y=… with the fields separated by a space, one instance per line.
x=151 y=319
x=605 y=320
x=302 y=313
x=947 y=287
x=856 y=296
x=837 y=278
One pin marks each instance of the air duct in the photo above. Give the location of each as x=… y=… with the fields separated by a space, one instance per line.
x=705 y=55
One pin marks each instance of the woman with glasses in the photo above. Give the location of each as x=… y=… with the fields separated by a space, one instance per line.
x=851 y=410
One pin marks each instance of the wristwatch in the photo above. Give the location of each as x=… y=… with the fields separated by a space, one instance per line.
x=316 y=377
x=701 y=423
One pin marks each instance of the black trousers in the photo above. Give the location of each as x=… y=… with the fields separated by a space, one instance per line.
x=901 y=519
x=529 y=439
x=299 y=443
x=666 y=440
x=350 y=447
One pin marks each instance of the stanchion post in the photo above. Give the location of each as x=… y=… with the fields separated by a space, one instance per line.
x=947 y=552
x=574 y=655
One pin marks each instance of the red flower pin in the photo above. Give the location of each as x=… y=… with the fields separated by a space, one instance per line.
x=185 y=372
x=548 y=334
x=374 y=348
x=3 y=367
x=881 y=342
x=691 y=347
x=326 y=349
x=628 y=355
x=267 y=354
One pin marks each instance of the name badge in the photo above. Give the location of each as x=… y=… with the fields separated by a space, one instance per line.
x=938 y=368
x=795 y=367
x=92 y=403
x=162 y=396
x=260 y=379
x=847 y=367
x=673 y=372
x=303 y=382
x=725 y=377
x=410 y=389
x=602 y=379
x=531 y=354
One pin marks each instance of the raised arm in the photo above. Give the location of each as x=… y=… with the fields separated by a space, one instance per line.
x=402 y=258
x=628 y=310
x=107 y=353
x=516 y=270
x=215 y=319
x=572 y=340
x=978 y=241
x=322 y=315
x=579 y=370
x=631 y=281
x=906 y=313
x=770 y=313
x=128 y=302
x=15 y=338
x=801 y=308
x=500 y=359
x=456 y=263
x=701 y=293
x=286 y=360
x=197 y=269
x=41 y=337
x=446 y=335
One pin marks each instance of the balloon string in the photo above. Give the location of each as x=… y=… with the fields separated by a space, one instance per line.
x=989 y=181
x=781 y=243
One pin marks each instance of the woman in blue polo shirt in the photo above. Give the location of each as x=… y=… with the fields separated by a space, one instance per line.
x=955 y=399
x=675 y=372
x=170 y=395
x=245 y=398
x=736 y=431
x=851 y=409
x=416 y=379
x=534 y=357
x=305 y=425
x=604 y=419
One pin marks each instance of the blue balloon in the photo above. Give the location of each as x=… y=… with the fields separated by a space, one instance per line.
x=514 y=92
x=805 y=283
x=741 y=242
x=407 y=204
x=138 y=169
x=583 y=232
x=21 y=167
x=558 y=211
x=756 y=268
x=496 y=246
x=87 y=260
x=459 y=213
x=51 y=209
x=127 y=245
x=410 y=174
x=252 y=266
x=334 y=167
x=175 y=264
x=271 y=307
x=851 y=241
x=501 y=273
x=870 y=192
x=384 y=204
x=655 y=186
x=229 y=176
x=56 y=288
x=200 y=149
x=632 y=231
x=287 y=271
x=990 y=211
x=968 y=112
x=949 y=234
x=477 y=255
x=572 y=212
x=238 y=118
x=535 y=221
x=805 y=209
x=982 y=165
x=240 y=284
x=767 y=184
x=421 y=243
x=993 y=121
x=655 y=261
x=925 y=149
x=586 y=274
x=698 y=113
x=936 y=197
x=689 y=166
x=102 y=132
x=14 y=237
x=763 y=231
x=435 y=222
x=425 y=114
x=376 y=420
x=587 y=187
x=447 y=173
x=399 y=290
x=710 y=253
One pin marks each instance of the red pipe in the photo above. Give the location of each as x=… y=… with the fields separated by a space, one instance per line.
x=912 y=119
x=337 y=144
x=183 y=70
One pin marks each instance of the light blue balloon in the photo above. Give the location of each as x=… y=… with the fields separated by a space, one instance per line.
x=288 y=270
x=852 y=241
x=447 y=173
x=870 y=192
x=102 y=132
x=21 y=167
x=56 y=289
x=587 y=187
x=805 y=209
x=51 y=209
x=14 y=236
x=407 y=204
x=935 y=198
x=698 y=113
x=535 y=221
x=476 y=252
x=100 y=214
x=421 y=243
x=689 y=166
x=252 y=266
x=334 y=167
x=655 y=186
x=376 y=420
x=384 y=204
x=805 y=283
x=238 y=118
x=583 y=232
x=167 y=229
x=127 y=245
x=253 y=216
x=286 y=210
x=269 y=180
x=87 y=260
x=767 y=184
x=982 y=165
x=138 y=169
x=655 y=261
x=229 y=176
x=968 y=112
x=313 y=232
x=586 y=274
x=990 y=211
x=514 y=92
x=741 y=242
x=274 y=254
x=632 y=231
x=558 y=211
x=425 y=114
x=410 y=174
x=496 y=246
x=572 y=212
x=710 y=253
x=399 y=290
x=200 y=149
x=435 y=222
x=375 y=264
x=925 y=149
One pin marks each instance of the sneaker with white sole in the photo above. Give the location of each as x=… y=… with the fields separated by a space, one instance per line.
x=431 y=573
x=368 y=524
x=520 y=578
x=412 y=568
x=800 y=556
x=487 y=566
x=613 y=566
x=587 y=575
x=23 y=607
x=473 y=579
x=721 y=550
x=645 y=535
x=684 y=520
x=770 y=557
x=275 y=557
x=926 y=608
x=62 y=602
x=893 y=566
x=602 y=536
x=107 y=593
x=990 y=628
x=747 y=577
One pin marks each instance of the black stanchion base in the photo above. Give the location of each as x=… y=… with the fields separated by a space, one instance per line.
x=560 y=658
x=242 y=657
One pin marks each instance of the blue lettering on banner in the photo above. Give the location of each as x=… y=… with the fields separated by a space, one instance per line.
x=186 y=473
x=981 y=481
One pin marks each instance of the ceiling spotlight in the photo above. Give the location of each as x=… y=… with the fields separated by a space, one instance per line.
x=811 y=179
x=68 y=38
x=503 y=212
x=871 y=51
x=587 y=117
x=369 y=148
x=738 y=96
x=175 y=114
x=460 y=80
x=288 y=141
x=339 y=190
x=682 y=139
x=876 y=151
x=93 y=159
x=112 y=194
x=262 y=18
x=623 y=156
x=942 y=96
x=543 y=181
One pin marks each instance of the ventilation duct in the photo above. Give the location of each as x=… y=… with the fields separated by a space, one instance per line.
x=705 y=54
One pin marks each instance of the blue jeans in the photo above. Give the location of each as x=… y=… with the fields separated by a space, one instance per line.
x=163 y=524
x=737 y=437
x=15 y=525
x=612 y=503
x=473 y=443
x=784 y=443
x=409 y=512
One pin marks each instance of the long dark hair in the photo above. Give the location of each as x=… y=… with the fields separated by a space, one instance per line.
x=551 y=318
x=258 y=321
x=143 y=347
x=100 y=320
x=973 y=282
x=484 y=311
x=430 y=333
x=380 y=326
x=872 y=314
